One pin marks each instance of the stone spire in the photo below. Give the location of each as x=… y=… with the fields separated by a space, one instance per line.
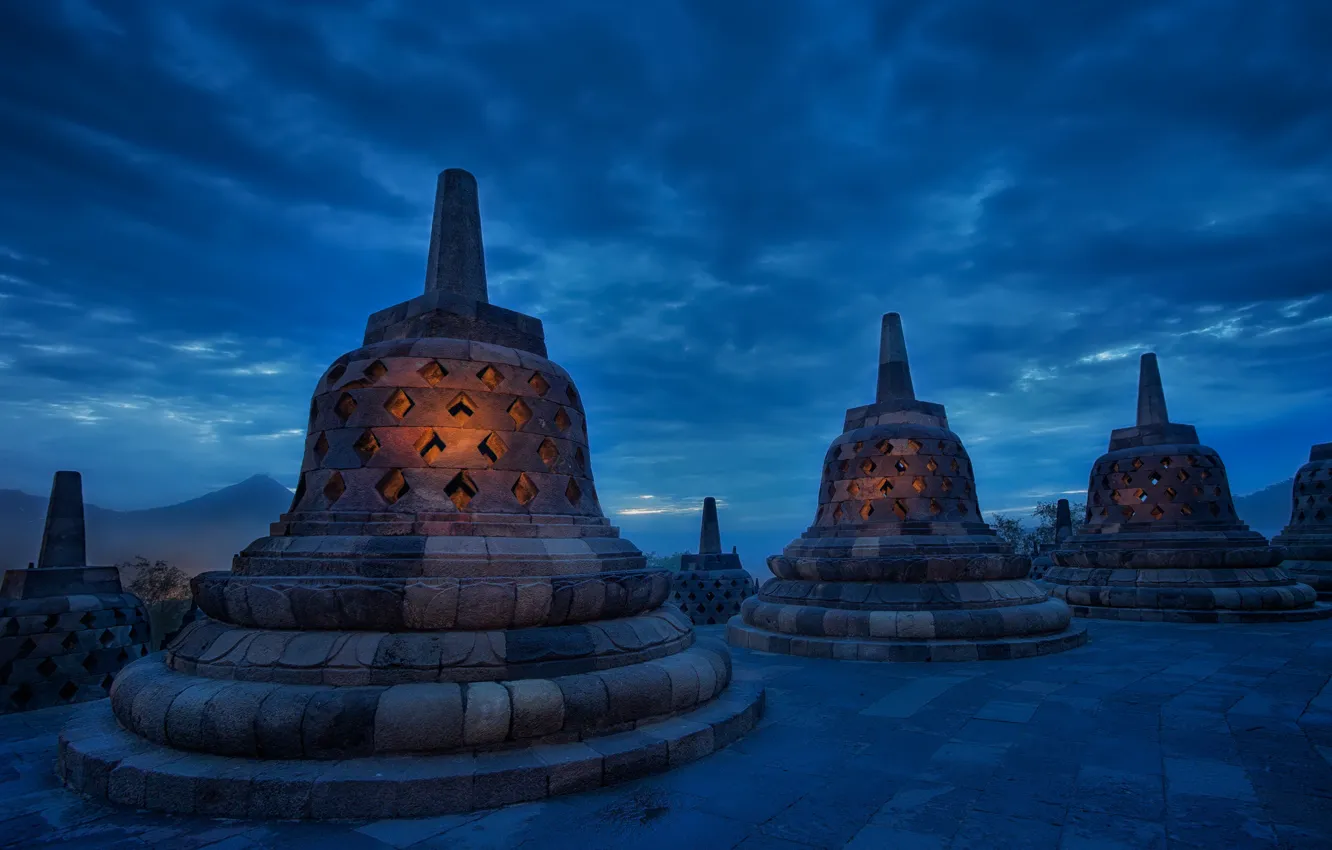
x=63 y=542
x=894 y=370
x=1151 y=395
x=457 y=262
x=709 y=536
x=1063 y=528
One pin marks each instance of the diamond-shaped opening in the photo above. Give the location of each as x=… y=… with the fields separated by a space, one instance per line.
x=1170 y=493
x=1197 y=491
x=1114 y=496
x=335 y=487
x=89 y=662
x=122 y=656
x=1204 y=475
x=946 y=485
x=935 y=507
x=1142 y=495
x=433 y=372
x=490 y=376
x=884 y=446
x=539 y=383
x=855 y=449
x=106 y=682
x=900 y=509
x=399 y=404
x=366 y=445
x=867 y=466
x=1137 y=463
x=460 y=490
x=580 y=459
x=962 y=508
x=1155 y=477
x=345 y=407
x=492 y=448
x=461 y=408
x=853 y=489
x=519 y=412
x=1182 y=475
x=68 y=690
x=886 y=486
x=393 y=486
x=837 y=512
x=1127 y=511
x=918 y=485
x=1157 y=513
x=1214 y=508
x=524 y=489
x=866 y=511
x=1192 y=459
x=954 y=466
x=86 y=619
x=430 y=447
x=47 y=667
x=932 y=466
x=106 y=638
x=336 y=372
x=562 y=420
x=914 y=445
x=1128 y=480
x=70 y=641
x=1186 y=509
x=573 y=492
x=1165 y=462
x=548 y=451
x=1114 y=467
x=22 y=695
x=1320 y=515
x=321 y=447
x=369 y=375
x=314 y=410
x=842 y=468
x=571 y=393
x=50 y=621
x=900 y=466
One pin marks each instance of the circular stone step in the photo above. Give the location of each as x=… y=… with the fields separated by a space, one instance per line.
x=102 y=760
x=1318 y=611
x=741 y=634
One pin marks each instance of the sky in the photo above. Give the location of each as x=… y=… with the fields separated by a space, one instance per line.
x=709 y=205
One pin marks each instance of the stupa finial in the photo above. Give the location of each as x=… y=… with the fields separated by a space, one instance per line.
x=457 y=262
x=1151 y=395
x=63 y=543
x=709 y=536
x=1063 y=528
x=894 y=370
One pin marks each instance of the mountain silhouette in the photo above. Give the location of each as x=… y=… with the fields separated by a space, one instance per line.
x=1268 y=510
x=196 y=535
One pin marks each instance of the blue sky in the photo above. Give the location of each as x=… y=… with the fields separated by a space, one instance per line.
x=708 y=203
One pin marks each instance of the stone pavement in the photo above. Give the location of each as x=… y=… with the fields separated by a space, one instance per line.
x=1151 y=736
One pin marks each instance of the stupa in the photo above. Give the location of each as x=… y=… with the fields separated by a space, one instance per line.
x=444 y=621
x=1063 y=529
x=66 y=629
x=1161 y=540
x=711 y=585
x=899 y=564
x=1308 y=538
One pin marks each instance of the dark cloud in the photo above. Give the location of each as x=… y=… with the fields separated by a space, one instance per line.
x=709 y=204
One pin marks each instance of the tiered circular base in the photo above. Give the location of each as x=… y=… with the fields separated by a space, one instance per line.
x=102 y=760
x=56 y=650
x=1308 y=560
x=711 y=597
x=740 y=634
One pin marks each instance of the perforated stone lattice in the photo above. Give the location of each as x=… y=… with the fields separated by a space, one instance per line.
x=517 y=443
x=1149 y=487
x=711 y=597
x=1311 y=498
x=58 y=658
x=897 y=480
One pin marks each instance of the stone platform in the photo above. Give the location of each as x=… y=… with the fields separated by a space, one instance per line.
x=1169 y=736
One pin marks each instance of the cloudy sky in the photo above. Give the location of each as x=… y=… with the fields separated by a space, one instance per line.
x=708 y=203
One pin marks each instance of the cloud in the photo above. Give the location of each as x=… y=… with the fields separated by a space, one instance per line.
x=708 y=204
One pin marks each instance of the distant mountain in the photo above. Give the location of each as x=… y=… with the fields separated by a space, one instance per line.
x=197 y=535
x=1268 y=510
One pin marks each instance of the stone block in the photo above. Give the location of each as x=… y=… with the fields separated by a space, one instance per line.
x=426 y=717
x=486 y=714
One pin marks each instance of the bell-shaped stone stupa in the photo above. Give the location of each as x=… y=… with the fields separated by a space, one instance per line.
x=444 y=621
x=711 y=585
x=1161 y=540
x=1063 y=529
x=66 y=629
x=899 y=565
x=1308 y=538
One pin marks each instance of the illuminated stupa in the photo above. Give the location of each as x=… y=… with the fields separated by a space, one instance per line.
x=66 y=629
x=1308 y=538
x=899 y=565
x=444 y=621
x=1161 y=540
x=711 y=584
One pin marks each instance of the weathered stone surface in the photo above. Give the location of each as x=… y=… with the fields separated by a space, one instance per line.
x=899 y=564
x=1160 y=539
x=1307 y=539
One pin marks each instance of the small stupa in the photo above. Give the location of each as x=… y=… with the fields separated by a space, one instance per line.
x=899 y=564
x=711 y=585
x=66 y=629
x=1308 y=538
x=1161 y=540
x=444 y=620
x=1063 y=529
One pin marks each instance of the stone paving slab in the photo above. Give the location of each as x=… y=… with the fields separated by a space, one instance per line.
x=1153 y=735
